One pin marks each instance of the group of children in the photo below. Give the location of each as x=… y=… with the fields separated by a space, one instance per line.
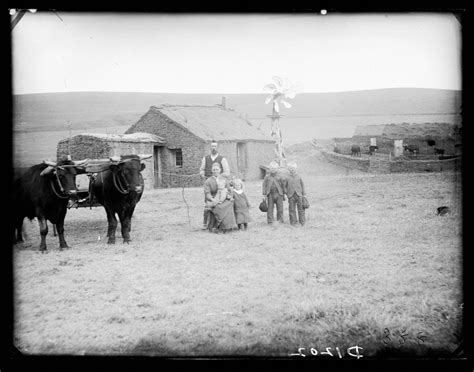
x=274 y=189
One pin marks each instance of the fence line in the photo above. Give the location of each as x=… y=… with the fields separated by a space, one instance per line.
x=187 y=178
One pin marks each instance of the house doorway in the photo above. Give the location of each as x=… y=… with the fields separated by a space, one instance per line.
x=242 y=161
x=157 y=155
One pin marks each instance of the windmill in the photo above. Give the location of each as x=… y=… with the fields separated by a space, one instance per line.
x=280 y=90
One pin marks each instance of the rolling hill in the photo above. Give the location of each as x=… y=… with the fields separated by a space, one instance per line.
x=41 y=120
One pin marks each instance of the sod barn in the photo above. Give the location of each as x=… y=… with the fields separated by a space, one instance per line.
x=426 y=137
x=188 y=131
x=103 y=146
x=437 y=147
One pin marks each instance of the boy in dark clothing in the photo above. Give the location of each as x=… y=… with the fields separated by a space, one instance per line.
x=295 y=191
x=273 y=188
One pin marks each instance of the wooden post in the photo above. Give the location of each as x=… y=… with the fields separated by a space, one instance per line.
x=277 y=137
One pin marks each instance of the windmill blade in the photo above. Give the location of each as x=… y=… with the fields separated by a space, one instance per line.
x=279 y=82
x=269 y=88
x=288 y=89
x=298 y=87
x=286 y=104
x=268 y=99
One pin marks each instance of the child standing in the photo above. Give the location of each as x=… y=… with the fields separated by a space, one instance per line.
x=273 y=188
x=295 y=191
x=241 y=205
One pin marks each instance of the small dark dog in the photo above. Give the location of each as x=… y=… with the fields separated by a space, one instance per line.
x=441 y=211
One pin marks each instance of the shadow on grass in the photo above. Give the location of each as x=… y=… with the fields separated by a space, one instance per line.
x=87 y=225
x=163 y=348
x=419 y=352
x=210 y=347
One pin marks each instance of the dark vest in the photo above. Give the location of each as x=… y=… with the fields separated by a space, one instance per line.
x=209 y=162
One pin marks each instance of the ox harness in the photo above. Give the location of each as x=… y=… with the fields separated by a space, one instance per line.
x=118 y=180
x=118 y=183
x=61 y=194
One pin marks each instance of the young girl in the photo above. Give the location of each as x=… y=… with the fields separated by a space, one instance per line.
x=241 y=205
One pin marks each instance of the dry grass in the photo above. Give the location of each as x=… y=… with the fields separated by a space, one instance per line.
x=373 y=258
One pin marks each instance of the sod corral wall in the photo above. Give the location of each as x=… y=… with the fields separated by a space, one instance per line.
x=378 y=165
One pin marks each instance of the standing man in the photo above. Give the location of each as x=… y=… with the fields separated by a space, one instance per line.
x=273 y=189
x=206 y=171
x=295 y=191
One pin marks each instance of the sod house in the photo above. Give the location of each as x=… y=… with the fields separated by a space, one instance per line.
x=103 y=146
x=427 y=136
x=188 y=132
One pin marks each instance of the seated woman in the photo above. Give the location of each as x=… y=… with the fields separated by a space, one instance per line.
x=221 y=195
x=219 y=201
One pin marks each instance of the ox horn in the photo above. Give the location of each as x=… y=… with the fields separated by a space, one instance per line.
x=144 y=156
x=50 y=163
x=115 y=158
x=47 y=170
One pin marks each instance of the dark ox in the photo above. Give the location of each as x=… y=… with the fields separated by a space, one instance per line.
x=43 y=192
x=372 y=149
x=119 y=189
x=355 y=150
x=412 y=149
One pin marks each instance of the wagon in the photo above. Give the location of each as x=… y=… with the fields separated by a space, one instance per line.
x=85 y=196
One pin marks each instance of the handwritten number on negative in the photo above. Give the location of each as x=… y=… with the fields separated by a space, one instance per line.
x=299 y=353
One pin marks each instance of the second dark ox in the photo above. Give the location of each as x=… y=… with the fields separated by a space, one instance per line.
x=119 y=189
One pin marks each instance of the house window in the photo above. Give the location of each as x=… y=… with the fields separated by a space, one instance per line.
x=177 y=157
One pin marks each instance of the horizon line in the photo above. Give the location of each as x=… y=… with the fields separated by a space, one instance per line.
x=229 y=93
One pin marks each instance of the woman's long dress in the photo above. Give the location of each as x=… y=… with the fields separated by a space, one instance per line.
x=224 y=215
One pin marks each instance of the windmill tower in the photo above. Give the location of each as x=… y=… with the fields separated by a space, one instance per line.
x=280 y=90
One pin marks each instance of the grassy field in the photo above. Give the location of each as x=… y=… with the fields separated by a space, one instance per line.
x=374 y=267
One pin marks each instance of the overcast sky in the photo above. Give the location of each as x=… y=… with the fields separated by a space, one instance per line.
x=202 y=53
